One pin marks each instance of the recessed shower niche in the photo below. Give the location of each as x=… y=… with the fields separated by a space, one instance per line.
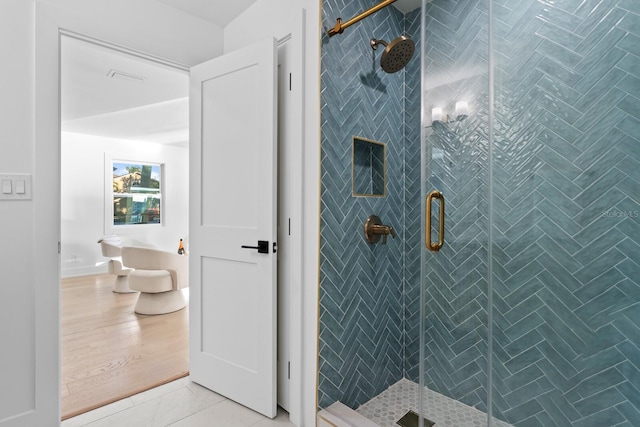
x=368 y=173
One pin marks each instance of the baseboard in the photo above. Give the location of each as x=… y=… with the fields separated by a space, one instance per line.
x=82 y=271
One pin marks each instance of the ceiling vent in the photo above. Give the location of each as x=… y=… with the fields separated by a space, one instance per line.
x=121 y=75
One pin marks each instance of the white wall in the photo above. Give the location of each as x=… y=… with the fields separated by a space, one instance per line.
x=266 y=18
x=86 y=196
x=17 y=287
x=29 y=141
x=276 y=18
x=144 y=25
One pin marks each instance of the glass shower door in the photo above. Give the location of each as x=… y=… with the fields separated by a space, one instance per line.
x=531 y=309
x=454 y=303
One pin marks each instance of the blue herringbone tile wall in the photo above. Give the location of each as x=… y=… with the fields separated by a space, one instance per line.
x=361 y=285
x=566 y=197
x=565 y=190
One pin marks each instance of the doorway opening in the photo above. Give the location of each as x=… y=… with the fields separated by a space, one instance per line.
x=90 y=147
x=118 y=108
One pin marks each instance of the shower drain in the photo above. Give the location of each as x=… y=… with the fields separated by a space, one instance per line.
x=410 y=419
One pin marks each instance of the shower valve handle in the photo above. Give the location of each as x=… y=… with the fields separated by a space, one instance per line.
x=384 y=230
x=373 y=229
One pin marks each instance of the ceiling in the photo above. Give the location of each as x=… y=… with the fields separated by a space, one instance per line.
x=216 y=12
x=406 y=6
x=112 y=94
x=221 y=13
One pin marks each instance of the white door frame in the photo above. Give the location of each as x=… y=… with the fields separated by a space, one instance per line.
x=47 y=221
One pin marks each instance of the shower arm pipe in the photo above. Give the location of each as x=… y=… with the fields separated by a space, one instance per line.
x=340 y=27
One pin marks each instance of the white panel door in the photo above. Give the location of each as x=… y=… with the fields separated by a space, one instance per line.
x=233 y=183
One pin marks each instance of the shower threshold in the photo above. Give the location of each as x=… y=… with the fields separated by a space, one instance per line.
x=390 y=406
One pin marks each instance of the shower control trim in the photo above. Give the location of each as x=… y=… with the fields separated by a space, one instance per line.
x=374 y=229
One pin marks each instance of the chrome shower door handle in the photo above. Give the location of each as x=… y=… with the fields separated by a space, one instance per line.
x=434 y=247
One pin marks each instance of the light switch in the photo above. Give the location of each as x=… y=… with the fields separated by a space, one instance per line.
x=6 y=186
x=15 y=186
x=20 y=186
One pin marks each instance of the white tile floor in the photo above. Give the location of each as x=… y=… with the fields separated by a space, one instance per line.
x=179 y=403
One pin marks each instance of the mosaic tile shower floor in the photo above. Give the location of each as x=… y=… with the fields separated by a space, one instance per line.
x=389 y=406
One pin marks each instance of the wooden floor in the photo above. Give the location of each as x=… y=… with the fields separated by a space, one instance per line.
x=109 y=352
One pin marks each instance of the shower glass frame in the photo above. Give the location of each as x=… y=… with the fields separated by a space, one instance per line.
x=570 y=196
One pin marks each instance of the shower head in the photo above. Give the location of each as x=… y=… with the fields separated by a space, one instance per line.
x=396 y=54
